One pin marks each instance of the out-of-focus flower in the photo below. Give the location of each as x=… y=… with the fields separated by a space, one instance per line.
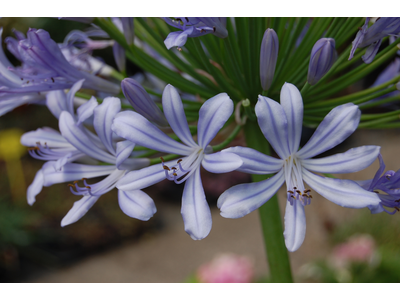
x=281 y=125
x=227 y=268
x=141 y=102
x=268 y=57
x=360 y=248
x=323 y=55
x=193 y=27
x=372 y=36
x=212 y=116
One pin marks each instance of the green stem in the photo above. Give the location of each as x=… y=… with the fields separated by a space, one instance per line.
x=277 y=255
x=228 y=140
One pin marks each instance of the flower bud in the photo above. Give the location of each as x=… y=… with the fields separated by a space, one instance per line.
x=323 y=55
x=141 y=102
x=268 y=57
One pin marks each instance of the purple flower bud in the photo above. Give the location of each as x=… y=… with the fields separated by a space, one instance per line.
x=119 y=56
x=127 y=27
x=141 y=102
x=268 y=57
x=323 y=55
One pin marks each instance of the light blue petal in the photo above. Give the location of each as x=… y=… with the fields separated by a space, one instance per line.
x=56 y=102
x=255 y=162
x=343 y=192
x=85 y=111
x=221 y=162
x=242 y=199
x=103 y=117
x=136 y=204
x=273 y=124
x=137 y=129
x=140 y=179
x=81 y=140
x=338 y=125
x=195 y=211
x=177 y=38
x=71 y=94
x=78 y=210
x=173 y=111
x=292 y=104
x=45 y=136
x=124 y=150
x=371 y=51
x=295 y=225
x=353 y=160
x=212 y=116
x=35 y=188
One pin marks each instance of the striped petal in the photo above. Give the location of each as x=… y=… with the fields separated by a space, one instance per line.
x=242 y=199
x=295 y=225
x=78 y=210
x=212 y=116
x=353 y=160
x=273 y=124
x=338 y=125
x=195 y=211
x=343 y=192
x=136 y=204
x=140 y=179
x=221 y=162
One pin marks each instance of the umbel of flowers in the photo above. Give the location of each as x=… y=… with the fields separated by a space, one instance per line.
x=258 y=77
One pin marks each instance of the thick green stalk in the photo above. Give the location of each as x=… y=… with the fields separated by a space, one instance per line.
x=277 y=255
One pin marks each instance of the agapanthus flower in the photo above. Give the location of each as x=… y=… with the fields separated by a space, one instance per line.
x=193 y=27
x=322 y=57
x=372 y=36
x=268 y=57
x=281 y=125
x=212 y=116
x=76 y=142
x=387 y=186
x=45 y=68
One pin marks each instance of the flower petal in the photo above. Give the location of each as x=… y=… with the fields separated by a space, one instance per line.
x=343 y=192
x=195 y=211
x=255 y=162
x=137 y=129
x=71 y=94
x=176 y=39
x=273 y=124
x=221 y=162
x=140 y=179
x=338 y=125
x=295 y=225
x=78 y=210
x=136 y=204
x=103 y=117
x=173 y=111
x=242 y=199
x=85 y=111
x=45 y=136
x=292 y=104
x=124 y=150
x=56 y=102
x=80 y=140
x=212 y=116
x=35 y=188
x=353 y=160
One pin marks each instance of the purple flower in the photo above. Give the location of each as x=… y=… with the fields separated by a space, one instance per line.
x=76 y=142
x=212 y=116
x=323 y=55
x=387 y=186
x=281 y=125
x=268 y=57
x=193 y=27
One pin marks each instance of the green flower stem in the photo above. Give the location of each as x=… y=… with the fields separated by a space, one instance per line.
x=154 y=161
x=387 y=126
x=335 y=27
x=367 y=117
x=348 y=30
x=83 y=95
x=147 y=154
x=380 y=102
x=277 y=255
x=381 y=121
x=117 y=75
x=228 y=140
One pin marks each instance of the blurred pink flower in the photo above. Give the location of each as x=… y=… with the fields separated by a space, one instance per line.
x=227 y=268
x=359 y=248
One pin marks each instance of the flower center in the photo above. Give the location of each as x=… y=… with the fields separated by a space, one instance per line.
x=184 y=167
x=294 y=181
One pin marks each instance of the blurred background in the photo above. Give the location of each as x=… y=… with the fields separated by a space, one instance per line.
x=341 y=245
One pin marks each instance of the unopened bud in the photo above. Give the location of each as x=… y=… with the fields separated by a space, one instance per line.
x=323 y=55
x=141 y=102
x=268 y=57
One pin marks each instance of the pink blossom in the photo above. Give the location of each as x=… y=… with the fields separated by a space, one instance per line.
x=227 y=268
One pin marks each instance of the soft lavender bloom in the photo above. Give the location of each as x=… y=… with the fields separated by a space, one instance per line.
x=76 y=142
x=281 y=125
x=227 y=268
x=212 y=116
x=141 y=102
x=193 y=27
x=45 y=67
x=322 y=57
x=268 y=57
x=387 y=186
x=372 y=36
